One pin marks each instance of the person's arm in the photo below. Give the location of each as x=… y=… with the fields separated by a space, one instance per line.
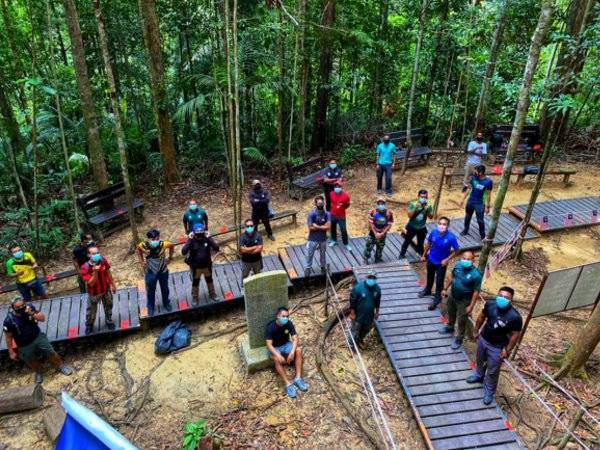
x=213 y=244
x=353 y=305
x=311 y=223
x=10 y=270
x=411 y=210
x=514 y=337
x=479 y=323
x=295 y=342
x=430 y=212
x=171 y=249
x=113 y=286
x=38 y=316
x=327 y=225
x=447 y=284
x=471 y=305
x=465 y=195
x=472 y=147
x=141 y=253
x=426 y=250
x=377 y=156
x=93 y=278
x=377 y=301
x=488 y=200
x=186 y=247
x=388 y=227
x=205 y=220
x=453 y=254
x=186 y=224
x=12 y=353
x=257 y=248
x=276 y=355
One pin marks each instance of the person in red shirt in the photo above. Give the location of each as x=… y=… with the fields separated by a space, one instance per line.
x=340 y=202
x=100 y=288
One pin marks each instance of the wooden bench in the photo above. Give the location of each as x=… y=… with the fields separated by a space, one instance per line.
x=566 y=174
x=419 y=154
x=524 y=155
x=44 y=279
x=417 y=135
x=449 y=174
x=105 y=211
x=300 y=185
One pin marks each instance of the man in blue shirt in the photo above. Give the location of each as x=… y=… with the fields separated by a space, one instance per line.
x=386 y=158
x=194 y=215
x=475 y=150
x=319 y=223
x=441 y=246
x=480 y=188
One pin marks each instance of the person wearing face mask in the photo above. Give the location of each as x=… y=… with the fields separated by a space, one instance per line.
x=22 y=266
x=251 y=247
x=497 y=331
x=465 y=284
x=319 y=223
x=198 y=255
x=154 y=256
x=475 y=150
x=340 y=202
x=259 y=200
x=479 y=200
x=381 y=220
x=365 y=299
x=332 y=175
x=100 y=288
x=194 y=215
x=440 y=247
x=418 y=212
x=284 y=348
x=386 y=160
x=80 y=257
x=21 y=329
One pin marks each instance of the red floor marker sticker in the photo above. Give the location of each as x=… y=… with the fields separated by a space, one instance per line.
x=347 y=269
x=421 y=282
x=183 y=305
x=124 y=324
x=507 y=424
x=144 y=312
x=72 y=333
x=181 y=239
x=497 y=170
x=544 y=224
x=222 y=229
x=443 y=319
x=51 y=277
x=228 y=295
x=471 y=365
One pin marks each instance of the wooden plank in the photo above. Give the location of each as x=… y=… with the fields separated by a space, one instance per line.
x=459 y=375
x=429 y=360
x=448 y=397
x=63 y=318
x=461 y=418
x=52 y=318
x=454 y=407
x=435 y=368
x=442 y=387
x=422 y=354
x=483 y=426
x=475 y=440
x=82 y=314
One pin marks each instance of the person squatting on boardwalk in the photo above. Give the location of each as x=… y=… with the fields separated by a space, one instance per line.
x=418 y=212
x=194 y=215
x=319 y=223
x=365 y=299
x=100 y=288
x=80 y=256
x=465 y=285
x=155 y=268
x=480 y=196
x=197 y=251
x=259 y=200
x=386 y=160
x=381 y=220
x=333 y=174
x=21 y=329
x=340 y=202
x=441 y=246
x=284 y=348
x=251 y=247
x=22 y=266
x=497 y=331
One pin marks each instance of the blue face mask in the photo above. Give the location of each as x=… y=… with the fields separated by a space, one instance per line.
x=283 y=320
x=249 y=230
x=337 y=190
x=381 y=207
x=332 y=166
x=154 y=244
x=19 y=254
x=97 y=257
x=371 y=282
x=466 y=263
x=193 y=207
x=422 y=200
x=502 y=302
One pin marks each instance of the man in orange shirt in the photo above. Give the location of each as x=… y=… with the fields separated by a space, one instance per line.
x=340 y=202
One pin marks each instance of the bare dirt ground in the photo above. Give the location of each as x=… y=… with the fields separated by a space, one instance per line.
x=150 y=398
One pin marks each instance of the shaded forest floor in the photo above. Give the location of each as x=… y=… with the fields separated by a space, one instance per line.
x=150 y=398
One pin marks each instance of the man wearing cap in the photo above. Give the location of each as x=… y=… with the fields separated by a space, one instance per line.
x=332 y=175
x=475 y=150
x=364 y=307
x=386 y=159
x=22 y=266
x=153 y=258
x=21 y=330
x=319 y=223
x=197 y=251
x=251 y=247
x=340 y=202
x=259 y=200
x=380 y=222
x=194 y=215
x=100 y=288
x=80 y=256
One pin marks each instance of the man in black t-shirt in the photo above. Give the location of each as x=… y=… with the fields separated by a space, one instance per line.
x=283 y=344
x=495 y=340
x=25 y=340
x=80 y=256
x=251 y=246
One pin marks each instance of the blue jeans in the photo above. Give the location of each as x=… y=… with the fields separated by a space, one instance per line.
x=151 y=279
x=335 y=222
x=284 y=350
x=488 y=365
x=387 y=170
x=479 y=210
x=311 y=247
x=26 y=289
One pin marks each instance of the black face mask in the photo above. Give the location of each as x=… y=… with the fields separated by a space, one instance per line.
x=258 y=187
x=479 y=139
x=20 y=311
x=199 y=236
x=320 y=206
x=386 y=141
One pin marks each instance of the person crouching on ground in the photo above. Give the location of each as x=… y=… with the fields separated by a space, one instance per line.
x=21 y=328
x=100 y=288
x=284 y=347
x=364 y=307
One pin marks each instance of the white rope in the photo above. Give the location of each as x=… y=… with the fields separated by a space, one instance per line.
x=383 y=427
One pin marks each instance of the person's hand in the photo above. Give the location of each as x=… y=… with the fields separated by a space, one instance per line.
x=352 y=316
x=445 y=262
x=280 y=359
x=468 y=310
x=207 y=234
x=96 y=267
x=376 y=166
x=28 y=310
x=290 y=357
x=487 y=209
x=377 y=315
x=503 y=354
x=475 y=334
x=423 y=258
x=445 y=293
x=113 y=289
x=191 y=235
x=12 y=354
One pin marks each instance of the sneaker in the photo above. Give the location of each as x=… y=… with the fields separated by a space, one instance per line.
x=488 y=399
x=378 y=261
x=402 y=256
x=472 y=379
x=424 y=293
x=39 y=378
x=214 y=298
x=168 y=307
x=332 y=243
x=388 y=194
x=446 y=330
x=271 y=237
x=432 y=306
x=65 y=370
x=300 y=384
x=308 y=272
x=349 y=247
x=456 y=344
x=464 y=233
x=110 y=325
x=290 y=390
x=379 y=191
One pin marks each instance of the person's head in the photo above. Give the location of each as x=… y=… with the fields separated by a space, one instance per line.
x=256 y=185
x=479 y=136
x=480 y=171
x=86 y=238
x=466 y=259
x=282 y=315
x=17 y=252
x=94 y=254
x=249 y=226
x=332 y=164
x=338 y=186
x=319 y=202
x=198 y=230
x=153 y=236
x=371 y=279
x=193 y=205
x=422 y=197
x=18 y=305
x=443 y=224
x=381 y=204
x=505 y=297
x=386 y=139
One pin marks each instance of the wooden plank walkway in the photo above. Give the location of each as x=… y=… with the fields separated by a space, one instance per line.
x=560 y=214
x=65 y=316
x=228 y=286
x=339 y=259
x=450 y=412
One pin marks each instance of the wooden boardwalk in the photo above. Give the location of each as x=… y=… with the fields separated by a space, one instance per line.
x=65 y=316
x=450 y=412
x=559 y=214
x=339 y=259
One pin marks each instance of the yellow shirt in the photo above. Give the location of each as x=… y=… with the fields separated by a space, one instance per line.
x=25 y=266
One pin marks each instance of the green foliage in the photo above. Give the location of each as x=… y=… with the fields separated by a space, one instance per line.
x=193 y=433
x=79 y=164
x=353 y=154
x=255 y=155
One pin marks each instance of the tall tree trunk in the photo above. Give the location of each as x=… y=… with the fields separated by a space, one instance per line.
x=319 y=139
x=413 y=84
x=118 y=115
x=16 y=55
x=84 y=87
x=522 y=106
x=303 y=76
x=280 y=93
x=377 y=100
x=34 y=134
x=157 y=86
x=490 y=66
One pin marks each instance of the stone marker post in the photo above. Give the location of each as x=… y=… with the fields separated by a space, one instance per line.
x=263 y=294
